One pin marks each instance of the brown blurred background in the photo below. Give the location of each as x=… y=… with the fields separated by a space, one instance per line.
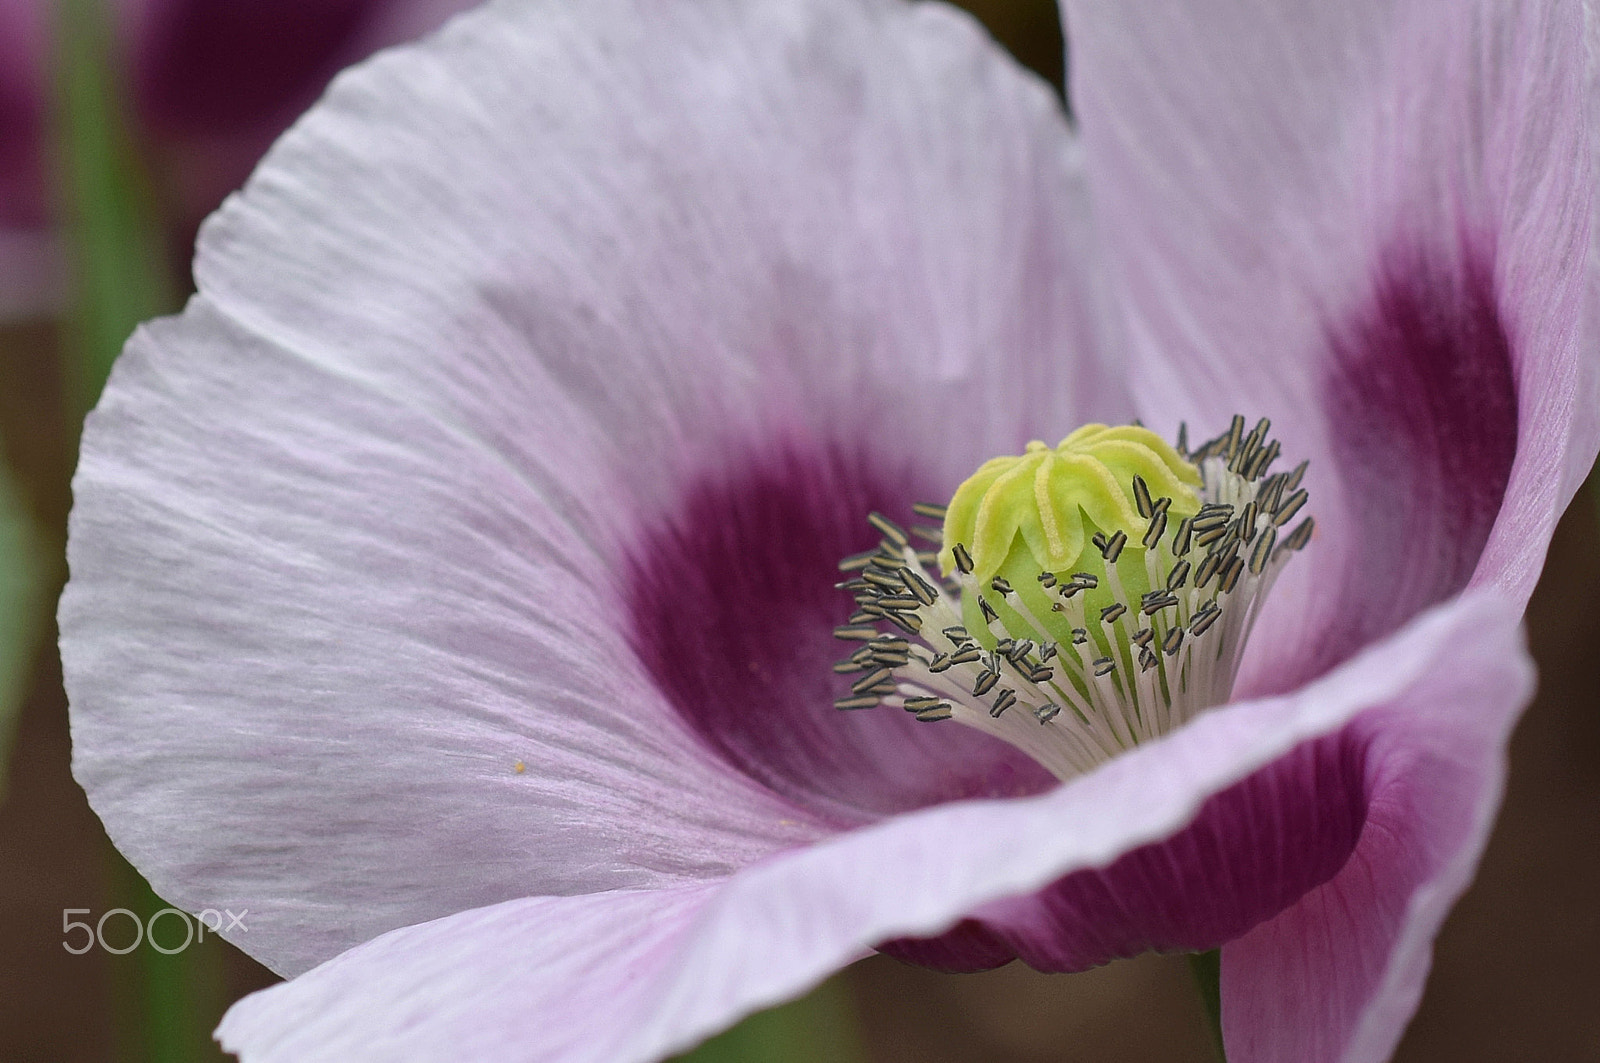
x=1517 y=973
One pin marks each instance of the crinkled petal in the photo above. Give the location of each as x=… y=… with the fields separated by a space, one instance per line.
x=704 y=223
x=1373 y=222
x=347 y=611
x=634 y=976
x=323 y=654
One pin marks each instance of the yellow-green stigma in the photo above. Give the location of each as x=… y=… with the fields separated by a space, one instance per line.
x=1034 y=509
x=1052 y=516
x=1094 y=595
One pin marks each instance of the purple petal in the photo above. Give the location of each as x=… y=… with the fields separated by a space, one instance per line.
x=353 y=535
x=734 y=605
x=212 y=82
x=765 y=219
x=1253 y=850
x=633 y=976
x=1371 y=221
x=23 y=46
x=204 y=68
x=31 y=279
x=215 y=82
x=324 y=652
x=1422 y=407
x=1338 y=976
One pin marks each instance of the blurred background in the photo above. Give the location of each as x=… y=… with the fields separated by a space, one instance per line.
x=121 y=125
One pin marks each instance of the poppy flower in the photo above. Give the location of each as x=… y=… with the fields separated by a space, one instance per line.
x=453 y=582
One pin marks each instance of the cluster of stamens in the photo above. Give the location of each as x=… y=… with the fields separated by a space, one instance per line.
x=1084 y=664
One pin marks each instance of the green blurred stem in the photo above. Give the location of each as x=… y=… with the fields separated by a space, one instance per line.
x=1207 y=968
x=120 y=277
x=821 y=1026
x=120 y=272
x=26 y=581
x=165 y=1005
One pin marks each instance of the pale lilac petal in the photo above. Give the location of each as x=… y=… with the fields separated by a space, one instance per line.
x=323 y=652
x=634 y=976
x=353 y=535
x=725 y=221
x=1371 y=221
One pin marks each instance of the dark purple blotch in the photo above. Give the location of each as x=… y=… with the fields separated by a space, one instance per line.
x=1253 y=850
x=1422 y=402
x=733 y=608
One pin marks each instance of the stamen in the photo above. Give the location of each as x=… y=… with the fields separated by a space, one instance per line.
x=1104 y=589
x=857 y=562
x=892 y=532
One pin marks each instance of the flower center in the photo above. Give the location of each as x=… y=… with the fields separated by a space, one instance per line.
x=1094 y=596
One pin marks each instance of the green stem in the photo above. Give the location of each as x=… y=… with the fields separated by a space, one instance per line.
x=1207 y=968
x=819 y=1026
x=27 y=586
x=120 y=272
x=165 y=1004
